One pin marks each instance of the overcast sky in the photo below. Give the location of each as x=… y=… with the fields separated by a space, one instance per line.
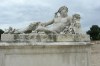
x=20 y=13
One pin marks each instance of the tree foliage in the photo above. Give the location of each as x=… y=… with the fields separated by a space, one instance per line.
x=1 y=32
x=94 y=32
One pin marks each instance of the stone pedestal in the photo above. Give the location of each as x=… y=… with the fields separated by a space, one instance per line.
x=45 y=54
x=45 y=38
x=8 y=37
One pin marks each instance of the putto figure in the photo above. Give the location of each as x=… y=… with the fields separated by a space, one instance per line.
x=75 y=26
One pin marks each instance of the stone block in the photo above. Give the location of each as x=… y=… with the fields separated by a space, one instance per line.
x=45 y=38
x=8 y=37
x=13 y=54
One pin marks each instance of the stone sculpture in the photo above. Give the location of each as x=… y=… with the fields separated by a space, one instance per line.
x=62 y=23
x=64 y=26
x=59 y=23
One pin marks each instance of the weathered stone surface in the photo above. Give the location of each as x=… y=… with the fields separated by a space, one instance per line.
x=44 y=38
x=95 y=54
x=14 y=54
x=64 y=28
x=8 y=37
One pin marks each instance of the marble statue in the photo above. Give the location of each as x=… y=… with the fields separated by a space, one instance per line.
x=62 y=23
x=63 y=26
x=59 y=23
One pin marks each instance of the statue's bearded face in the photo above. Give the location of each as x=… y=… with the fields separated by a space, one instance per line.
x=63 y=13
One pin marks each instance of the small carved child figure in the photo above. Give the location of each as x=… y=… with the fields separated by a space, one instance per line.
x=76 y=23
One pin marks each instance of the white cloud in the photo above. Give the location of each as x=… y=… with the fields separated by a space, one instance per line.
x=18 y=12
x=24 y=2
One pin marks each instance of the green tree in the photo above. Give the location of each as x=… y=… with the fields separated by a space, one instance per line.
x=1 y=32
x=94 y=32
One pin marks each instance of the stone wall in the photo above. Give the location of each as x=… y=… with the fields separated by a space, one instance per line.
x=95 y=54
x=57 y=54
x=71 y=55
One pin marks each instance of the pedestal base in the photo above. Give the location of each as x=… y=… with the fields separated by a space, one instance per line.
x=45 y=38
x=57 y=54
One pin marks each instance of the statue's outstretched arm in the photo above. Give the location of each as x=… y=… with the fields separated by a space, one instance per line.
x=49 y=23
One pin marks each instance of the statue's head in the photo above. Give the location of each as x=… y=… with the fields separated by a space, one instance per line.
x=10 y=28
x=76 y=16
x=63 y=8
x=63 y=11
